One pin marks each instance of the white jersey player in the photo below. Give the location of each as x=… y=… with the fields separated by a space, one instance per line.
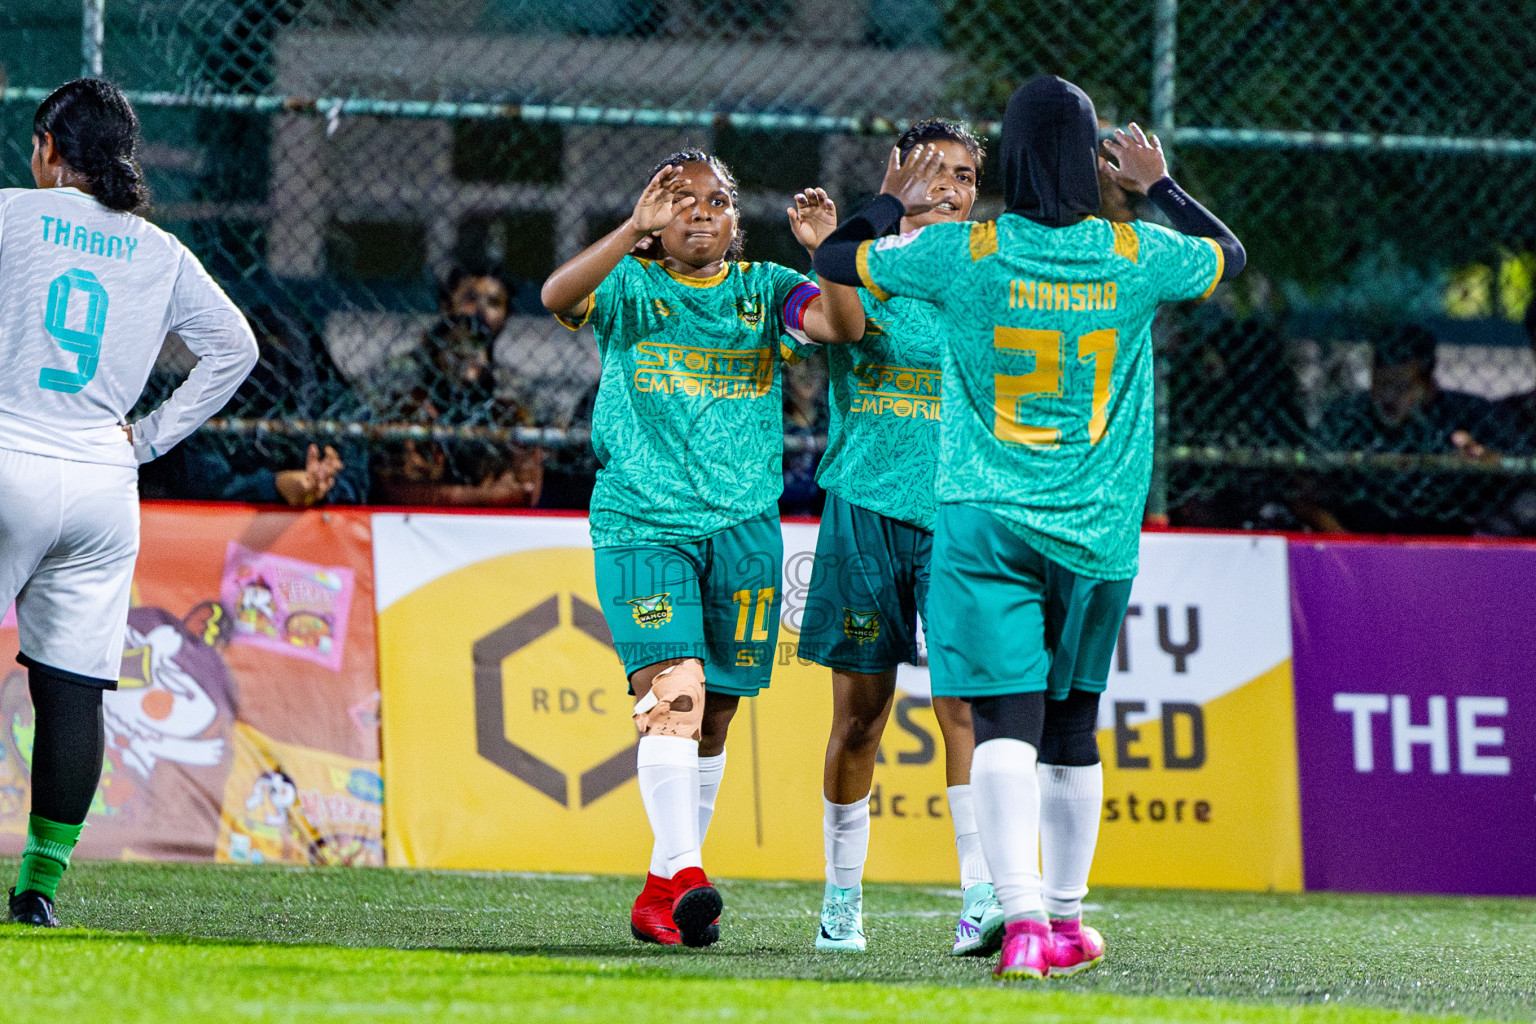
x=88 y=292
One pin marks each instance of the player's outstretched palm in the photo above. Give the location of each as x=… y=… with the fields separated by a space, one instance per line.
x=812 y=218
x=662 y=201
x=910 y=181
x=1139 y=162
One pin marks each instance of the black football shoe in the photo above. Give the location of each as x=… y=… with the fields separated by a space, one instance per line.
x=33 y=908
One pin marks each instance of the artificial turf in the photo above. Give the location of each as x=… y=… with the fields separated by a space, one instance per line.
x=242 y=943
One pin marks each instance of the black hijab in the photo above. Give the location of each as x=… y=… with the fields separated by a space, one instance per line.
x=1050 y=152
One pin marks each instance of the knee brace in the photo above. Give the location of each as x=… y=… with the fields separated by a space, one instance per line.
x=675 y=705
x=1009 y=716
x=1069 y=737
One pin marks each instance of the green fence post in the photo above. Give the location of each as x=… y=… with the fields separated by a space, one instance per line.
x=1165 y=36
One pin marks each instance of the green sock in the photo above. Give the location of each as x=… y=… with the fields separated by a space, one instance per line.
x=49 y=845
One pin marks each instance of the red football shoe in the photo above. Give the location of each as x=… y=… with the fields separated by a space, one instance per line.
x=651 y=918
x=696 y=908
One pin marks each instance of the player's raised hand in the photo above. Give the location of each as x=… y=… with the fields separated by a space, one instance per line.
x=1139 y=162
x=909 y=181
x=662 y=201
x=812 y=218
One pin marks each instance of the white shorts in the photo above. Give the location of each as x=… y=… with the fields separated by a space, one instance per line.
x=69 y=537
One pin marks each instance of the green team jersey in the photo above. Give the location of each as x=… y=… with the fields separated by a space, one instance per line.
x=689 y=422
x=1048 y=369
x=883 y=438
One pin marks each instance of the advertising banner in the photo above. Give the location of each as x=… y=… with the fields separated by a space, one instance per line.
x=508 y=742
x=1414 y=712
x=245 y=722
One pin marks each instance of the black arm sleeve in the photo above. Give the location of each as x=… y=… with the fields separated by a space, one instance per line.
x=837 y=259
x=1190 y=218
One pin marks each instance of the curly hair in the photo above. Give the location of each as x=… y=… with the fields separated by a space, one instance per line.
x=96 y=132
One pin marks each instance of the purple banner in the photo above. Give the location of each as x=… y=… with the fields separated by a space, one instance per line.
x=1415 y=668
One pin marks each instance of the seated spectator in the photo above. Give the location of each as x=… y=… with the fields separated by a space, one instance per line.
x=295 y=379
x=449 y=380
x=1404 y=412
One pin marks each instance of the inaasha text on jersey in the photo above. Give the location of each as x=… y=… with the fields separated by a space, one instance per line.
x=94 y=243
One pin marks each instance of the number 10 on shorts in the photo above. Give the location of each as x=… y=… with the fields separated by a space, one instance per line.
x=759 y=621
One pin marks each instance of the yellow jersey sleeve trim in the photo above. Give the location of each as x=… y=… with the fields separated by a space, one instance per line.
x=864 y=274
x=1221 y=267
x=789 y=355
x=983 y=240
x=578 y=325
x=1127 y=243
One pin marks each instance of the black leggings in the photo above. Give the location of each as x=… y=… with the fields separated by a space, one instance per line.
x=1061 y=730
x=67 y=746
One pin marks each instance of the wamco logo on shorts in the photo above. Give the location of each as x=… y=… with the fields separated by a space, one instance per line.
x=861 y=626
x=652 y=612
x=548 y=713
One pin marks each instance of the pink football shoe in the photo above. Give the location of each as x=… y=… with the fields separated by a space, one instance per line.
x=1025 y=945
x=1074 y=948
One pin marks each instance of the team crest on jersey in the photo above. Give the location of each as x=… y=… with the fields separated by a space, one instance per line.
x=873 y=328
x=863 y=627
x=652 y=612
x=750 y=310
x=662 y=309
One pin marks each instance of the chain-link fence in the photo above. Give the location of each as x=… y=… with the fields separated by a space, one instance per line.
x=352 y=170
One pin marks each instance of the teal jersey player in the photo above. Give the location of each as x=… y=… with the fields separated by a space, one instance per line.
x=688 y=422
x=869 y=586
x=883 y=435
x=1048 y=368
x=1043 y=474
x=689 y=430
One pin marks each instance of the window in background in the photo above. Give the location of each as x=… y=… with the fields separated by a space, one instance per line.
x=507 y=151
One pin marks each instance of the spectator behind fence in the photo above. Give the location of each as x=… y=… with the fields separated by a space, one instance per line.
x=1404 y=412
x=449 y=380
x=295 y=379
x=805 y=420
x=1515 y=434
x=1232 y=386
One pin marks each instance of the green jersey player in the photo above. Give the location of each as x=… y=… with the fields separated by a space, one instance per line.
x=869 y=584
x=688 y=429
x=1043 y=476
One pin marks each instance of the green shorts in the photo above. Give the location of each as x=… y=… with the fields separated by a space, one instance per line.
x=1006 y=619
x=716 y=600
x=868 y=588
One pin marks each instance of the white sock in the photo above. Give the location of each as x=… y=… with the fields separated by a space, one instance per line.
x=1007 y=797
x=1071 y=801
x=668 y=767
x=962 y=811
x=845 y=838
x=711 y=771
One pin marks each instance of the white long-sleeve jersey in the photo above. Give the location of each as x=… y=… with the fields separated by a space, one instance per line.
x=87 y=296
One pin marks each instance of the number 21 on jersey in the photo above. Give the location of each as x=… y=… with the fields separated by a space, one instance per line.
x=85 y=344
x=1010 y=391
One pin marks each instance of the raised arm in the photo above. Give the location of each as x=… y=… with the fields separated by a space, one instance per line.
x=904 y=191
x=569 y=289
x=837 y=316
x=1140 y=167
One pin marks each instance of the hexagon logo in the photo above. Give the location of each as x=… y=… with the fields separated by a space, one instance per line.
x=514 y=658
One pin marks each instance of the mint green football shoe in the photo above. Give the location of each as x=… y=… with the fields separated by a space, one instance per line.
x=842 y=919
x=979 y=931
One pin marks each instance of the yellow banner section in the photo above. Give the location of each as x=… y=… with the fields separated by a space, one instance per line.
x=1203 y=796
x=508 y=745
